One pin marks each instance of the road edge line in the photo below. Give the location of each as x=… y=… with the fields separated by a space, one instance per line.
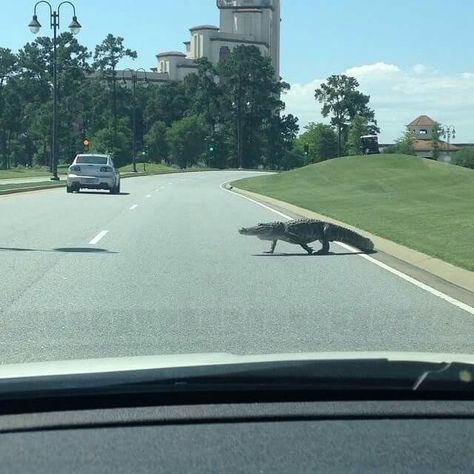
x=404 y=276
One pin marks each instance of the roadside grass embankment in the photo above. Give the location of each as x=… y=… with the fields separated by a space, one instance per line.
x=423 y=204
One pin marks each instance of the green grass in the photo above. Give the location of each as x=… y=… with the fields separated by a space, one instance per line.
x=27 y=186
x=25 y=172
x=156 y=168
x=423 y=204
x=151 y=168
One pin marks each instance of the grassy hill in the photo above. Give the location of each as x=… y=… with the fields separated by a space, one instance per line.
x=423 y=204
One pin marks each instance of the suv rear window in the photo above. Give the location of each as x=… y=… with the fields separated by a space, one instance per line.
x=92 y=160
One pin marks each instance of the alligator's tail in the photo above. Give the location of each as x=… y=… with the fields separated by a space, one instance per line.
x=334 y=232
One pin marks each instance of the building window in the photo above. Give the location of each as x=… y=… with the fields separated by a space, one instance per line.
x=423 y=132
x=195 y=47
x=224 y=53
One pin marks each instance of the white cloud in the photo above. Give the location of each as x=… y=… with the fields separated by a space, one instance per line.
x=398 y=96
x=419 y=68
x=372 y=70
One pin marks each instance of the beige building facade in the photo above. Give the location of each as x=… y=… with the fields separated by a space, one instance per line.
x=422 y=128
x=242 y=22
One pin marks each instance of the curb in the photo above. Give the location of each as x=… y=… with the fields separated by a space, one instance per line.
x=455 y=275
x=31 y=188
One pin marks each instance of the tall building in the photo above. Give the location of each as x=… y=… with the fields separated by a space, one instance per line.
x=242 y=22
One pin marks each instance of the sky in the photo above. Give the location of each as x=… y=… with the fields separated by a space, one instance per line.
x=412 y=57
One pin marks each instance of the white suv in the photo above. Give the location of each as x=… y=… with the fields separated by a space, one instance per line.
x=93 y=172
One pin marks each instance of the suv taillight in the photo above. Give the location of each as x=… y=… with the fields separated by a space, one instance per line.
x=75 y=168
x=106 y=169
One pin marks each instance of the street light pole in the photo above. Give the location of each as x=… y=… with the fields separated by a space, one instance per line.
x=54 y=159
x=239 y=131
x=449 y=131
x=74 y=27
x=239 y=119
x=134 y=75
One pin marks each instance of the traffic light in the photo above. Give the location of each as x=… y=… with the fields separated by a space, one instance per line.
x=306 y=149
x=86 y=144
x=210 y=148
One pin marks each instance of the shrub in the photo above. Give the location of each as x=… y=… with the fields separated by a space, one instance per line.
x=465 y=157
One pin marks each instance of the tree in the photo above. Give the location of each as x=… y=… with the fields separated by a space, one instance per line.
x=186 y=140
x=8 y=65
x=465 y=158
x=358 y=128
x=156 y=142
x=167 y=103
x=436 y=134
x=8 y=68
x=280 y=141
x=204 y=93
x=404 y=144
x=29 y=105
x=342 y=101
x=250 y=102
x=107 y=56
x=115 y=142
x=322 y=142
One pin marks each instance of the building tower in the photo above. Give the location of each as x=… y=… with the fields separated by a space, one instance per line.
x=242 y=22
x=253 y=21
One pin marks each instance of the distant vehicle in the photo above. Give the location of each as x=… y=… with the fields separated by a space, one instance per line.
x=92 y=171
x=369 y=144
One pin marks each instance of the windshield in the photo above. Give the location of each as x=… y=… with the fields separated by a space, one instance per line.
x=92 y=160
x=289 y=181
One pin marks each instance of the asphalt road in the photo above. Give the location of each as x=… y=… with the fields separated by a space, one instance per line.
x=170 y=274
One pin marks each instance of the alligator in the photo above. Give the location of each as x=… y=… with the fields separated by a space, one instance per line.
x=302 y=232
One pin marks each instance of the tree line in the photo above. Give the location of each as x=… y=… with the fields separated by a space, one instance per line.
x=223 y=116
x=195 y=122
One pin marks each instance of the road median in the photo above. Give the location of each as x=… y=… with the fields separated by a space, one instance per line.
x=29 y=186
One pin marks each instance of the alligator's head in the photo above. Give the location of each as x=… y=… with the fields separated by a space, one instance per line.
x=268 y=231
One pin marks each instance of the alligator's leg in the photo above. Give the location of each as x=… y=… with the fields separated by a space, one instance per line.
x=325 y=240
x=274 y=244
x=325 y=247
x=307 y=248
x=294 y=239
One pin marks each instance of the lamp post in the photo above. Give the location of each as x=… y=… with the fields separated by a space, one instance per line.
x=237 y=105
x=448 y=132
x=74 y=27
x=134 y=75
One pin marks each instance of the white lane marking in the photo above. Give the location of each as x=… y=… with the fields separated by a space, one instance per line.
x=256 y=202
x=148 y=195
x=98 y=237
x=403 y=276
x=133 y=207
